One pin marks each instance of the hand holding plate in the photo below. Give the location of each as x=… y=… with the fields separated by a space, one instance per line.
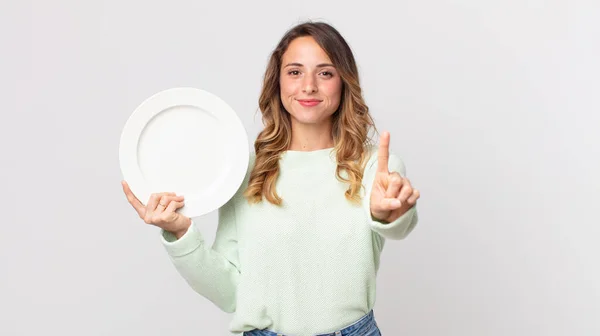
x=160 y=211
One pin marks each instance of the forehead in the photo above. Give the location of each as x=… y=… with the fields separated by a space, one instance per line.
x=305 y=50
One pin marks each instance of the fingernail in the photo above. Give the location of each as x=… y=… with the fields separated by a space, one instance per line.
x=395 y=203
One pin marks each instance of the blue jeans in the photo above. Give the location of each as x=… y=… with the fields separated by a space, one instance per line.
x=365 y=326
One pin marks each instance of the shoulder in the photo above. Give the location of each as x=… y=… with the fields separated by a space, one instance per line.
x=251 y=161
x=249 y=168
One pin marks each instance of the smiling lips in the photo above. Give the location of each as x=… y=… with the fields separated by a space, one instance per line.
x=309 y=102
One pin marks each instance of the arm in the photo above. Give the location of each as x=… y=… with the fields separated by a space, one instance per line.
x=212 y=272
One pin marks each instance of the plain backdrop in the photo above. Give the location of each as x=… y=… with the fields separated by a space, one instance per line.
x=493 y=106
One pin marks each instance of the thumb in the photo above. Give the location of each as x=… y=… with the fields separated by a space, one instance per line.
x=389 y=204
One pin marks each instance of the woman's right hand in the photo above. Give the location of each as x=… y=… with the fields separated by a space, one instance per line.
x=160 y=211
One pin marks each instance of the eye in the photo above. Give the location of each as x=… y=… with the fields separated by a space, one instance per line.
x=327 y=74
x=294 y=72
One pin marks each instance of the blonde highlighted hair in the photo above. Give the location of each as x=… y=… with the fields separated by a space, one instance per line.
x=351 y=122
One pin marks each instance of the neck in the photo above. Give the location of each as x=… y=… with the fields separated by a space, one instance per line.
x=310 y=137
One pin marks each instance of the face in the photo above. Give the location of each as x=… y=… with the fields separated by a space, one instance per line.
x=310 y=85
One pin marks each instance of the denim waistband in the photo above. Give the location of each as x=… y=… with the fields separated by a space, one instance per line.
x=364 y=324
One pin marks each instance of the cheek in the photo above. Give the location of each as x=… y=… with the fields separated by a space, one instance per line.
x=288 y=87
x=333 y=90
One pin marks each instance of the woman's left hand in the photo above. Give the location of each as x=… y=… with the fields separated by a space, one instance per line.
x=392 y=195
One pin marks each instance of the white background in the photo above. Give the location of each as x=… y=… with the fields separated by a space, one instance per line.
x=493 y=106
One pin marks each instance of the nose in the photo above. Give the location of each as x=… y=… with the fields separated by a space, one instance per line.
x=309 y=85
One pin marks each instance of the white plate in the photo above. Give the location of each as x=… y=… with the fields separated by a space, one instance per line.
x=187 y=141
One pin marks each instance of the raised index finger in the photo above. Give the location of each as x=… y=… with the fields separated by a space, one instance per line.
x=384 y=153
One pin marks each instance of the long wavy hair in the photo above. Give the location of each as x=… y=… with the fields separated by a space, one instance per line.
x=351 y=121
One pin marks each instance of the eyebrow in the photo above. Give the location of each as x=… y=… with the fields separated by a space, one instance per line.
x=318 y=65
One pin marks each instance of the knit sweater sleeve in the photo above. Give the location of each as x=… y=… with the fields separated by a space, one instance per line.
x=403 y=225
x=212 y=272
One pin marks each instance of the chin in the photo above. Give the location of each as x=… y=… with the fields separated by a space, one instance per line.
x=309 y=117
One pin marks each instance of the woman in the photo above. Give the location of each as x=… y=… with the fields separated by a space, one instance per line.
x=297 y=247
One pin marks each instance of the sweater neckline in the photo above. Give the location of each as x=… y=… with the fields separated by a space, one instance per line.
x=311 y=152
x=297 y=159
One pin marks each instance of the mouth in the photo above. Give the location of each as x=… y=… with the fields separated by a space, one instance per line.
x=308 y=102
